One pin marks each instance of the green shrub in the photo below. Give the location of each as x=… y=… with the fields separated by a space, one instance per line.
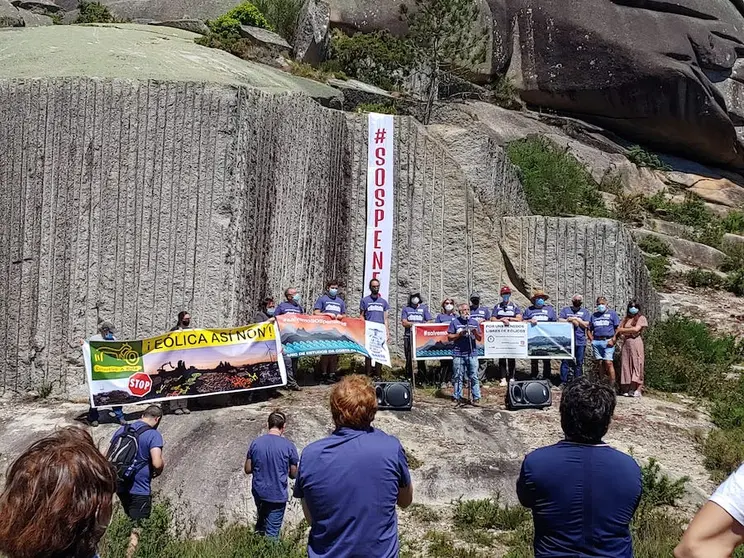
x=727 y=405
x=658 y=489
x=700 y=278
x=489 y=513
x=692 y=211
x=94 y=12
x=555 y=182
x=282 y=15
x=658 y=269
x=381 y=108
x=733 y=222
x=724 y=452
x=627 y=207
x=642 y=158
x=228 y=24
x=441 y=545
x=655 y=245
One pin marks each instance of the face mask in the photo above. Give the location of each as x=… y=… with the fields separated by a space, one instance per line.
x=632 y=311
x=576 y=303
x=475 y=302
x=540 y=302
x=296 y=298
x=506 y=297
x=374 y=290
x=415 y=300
x=270 y=311
x=601 y=307
x=333 y=292
x=109 y=336
x=449 y=307
x=185 y=323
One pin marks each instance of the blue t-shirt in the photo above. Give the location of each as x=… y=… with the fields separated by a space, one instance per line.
x=350 y=483
x=480 y=314
x=583 y=498
x=464 y=346
x=505 y=310
x=544 y=314
x=149 y=439
x=445 y=318
x=579 y=332
x=604 y=324
x=271 y=457
x=373 y=309
x=330 y=305
x=419 y=315
x=288 y=307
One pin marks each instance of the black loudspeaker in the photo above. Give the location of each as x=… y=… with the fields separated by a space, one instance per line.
x=394 y=396
x=528 y=394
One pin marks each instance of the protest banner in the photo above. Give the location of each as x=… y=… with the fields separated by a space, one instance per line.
x=184 y=364
x=304 y=335
x=380 y=201
x=552 y=340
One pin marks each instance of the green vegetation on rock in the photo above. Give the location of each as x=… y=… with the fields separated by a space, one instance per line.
x=654 y=245
x=380 y=108
x=281 y=15
x=228 y=24
x=94 y=12
x=643 y=158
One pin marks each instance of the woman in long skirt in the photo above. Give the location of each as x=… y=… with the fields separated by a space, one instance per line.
x=632 y=356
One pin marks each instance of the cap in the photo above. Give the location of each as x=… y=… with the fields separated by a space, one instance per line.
x=474 y=295
x=103 y=326
x=539 y=293
x=505 y=290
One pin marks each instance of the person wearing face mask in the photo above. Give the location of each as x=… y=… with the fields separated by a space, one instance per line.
x=465 y=332
x=265 y=313
x=374 y=308
x=179 y=406
x=540 y=311
x=506 y=312
x=414 y=312
x=632 y=355
x=105 y=333
x=446 y=316
x=603 y=325
x=291 y=305
x=479 y=314
x=578 y=317
x=330 y=304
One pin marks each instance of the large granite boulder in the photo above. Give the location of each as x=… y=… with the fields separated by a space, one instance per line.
x=161 y=10
x=9 y=15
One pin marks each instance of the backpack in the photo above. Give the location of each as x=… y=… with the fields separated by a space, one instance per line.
x=122 y=454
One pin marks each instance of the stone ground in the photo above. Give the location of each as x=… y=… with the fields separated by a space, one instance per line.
x=721 y=310
x=466 y=452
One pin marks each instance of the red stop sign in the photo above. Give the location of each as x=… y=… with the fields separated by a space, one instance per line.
x=140 y=384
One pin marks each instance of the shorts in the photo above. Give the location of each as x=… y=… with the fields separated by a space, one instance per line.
x=136 y=506
x=602 y=351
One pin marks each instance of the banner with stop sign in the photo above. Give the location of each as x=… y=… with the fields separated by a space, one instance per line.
x=184 y=364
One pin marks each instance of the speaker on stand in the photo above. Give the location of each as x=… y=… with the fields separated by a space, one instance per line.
x=528 y=394
x=394 y=396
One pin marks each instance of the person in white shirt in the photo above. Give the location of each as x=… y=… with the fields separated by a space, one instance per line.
x=718 y=527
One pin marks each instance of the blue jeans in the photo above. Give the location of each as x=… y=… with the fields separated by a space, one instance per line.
x=574 y=366
x=270 y=517
x=462 y=366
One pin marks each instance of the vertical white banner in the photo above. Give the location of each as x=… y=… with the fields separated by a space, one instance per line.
x=380 y=202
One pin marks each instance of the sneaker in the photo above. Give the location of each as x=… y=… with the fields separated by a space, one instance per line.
x=476 y=402
x=502 y=383
x=186 y=411
x=636 y=393
x=178 y=412
x=94 y=423
x=328 y=380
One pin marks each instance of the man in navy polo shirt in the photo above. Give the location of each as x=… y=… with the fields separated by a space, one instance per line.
x=540 y=311
x=330 y=304
x=351 y=481
x=579 y=318
x=582 y=492
x=291 y=305
x=603 y=325
x=506 y=312
x=480 y=314
x=271 y=459
x=374 y=308
x=415 y=312
x=465 y=331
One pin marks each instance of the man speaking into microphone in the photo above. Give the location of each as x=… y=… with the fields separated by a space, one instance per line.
x=465 y=332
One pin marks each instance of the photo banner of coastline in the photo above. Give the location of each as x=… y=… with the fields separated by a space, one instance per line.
x=304 y=335
x=184 y=364
x=553 y=340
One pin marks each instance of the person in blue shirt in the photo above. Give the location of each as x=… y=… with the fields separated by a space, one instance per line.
x=414 y=312
x=290 y=305
x=136 y=500
x=445 y=317
x=603 y=324
x=105 y=333
x=351 y=481
x=330 y=304
x=506 y=312
x=540 y=311
x=579 y=318
x=374 y=308
x=465 y=331
x=582 y=492
x=480 y=314
x=271 y=459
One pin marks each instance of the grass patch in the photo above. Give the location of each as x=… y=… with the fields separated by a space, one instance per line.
x=555 y=183
x=724 y=452
x=659 y=489
x=658 y=269
x=381 y=108
x=640 y=157
x=488 y=513
x=442 y=545
x=654 y=245
x=281 y=15
x=413 y=461
x=703 y=279
x=422 y=513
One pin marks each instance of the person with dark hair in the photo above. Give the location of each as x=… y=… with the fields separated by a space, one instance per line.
x=136 y=496
x=540 y=311
x=290 y=305
x=632 y=354
x=58 y=498
x=271 y=459
x=374 y=308
x=445 y=317
x=579 y=318
x=330 y=304
x=351 y=481
x=105 y=333
x=180 y=406
x=582 y=492
x=603 y=325
x=506 y=312
x=265 y=313
x=414 y=312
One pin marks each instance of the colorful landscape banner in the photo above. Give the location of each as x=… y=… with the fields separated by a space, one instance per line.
x=304 y=335
x=552 y=340
x=184 y=364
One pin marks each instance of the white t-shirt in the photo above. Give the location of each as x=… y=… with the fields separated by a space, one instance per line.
x=730 y=495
